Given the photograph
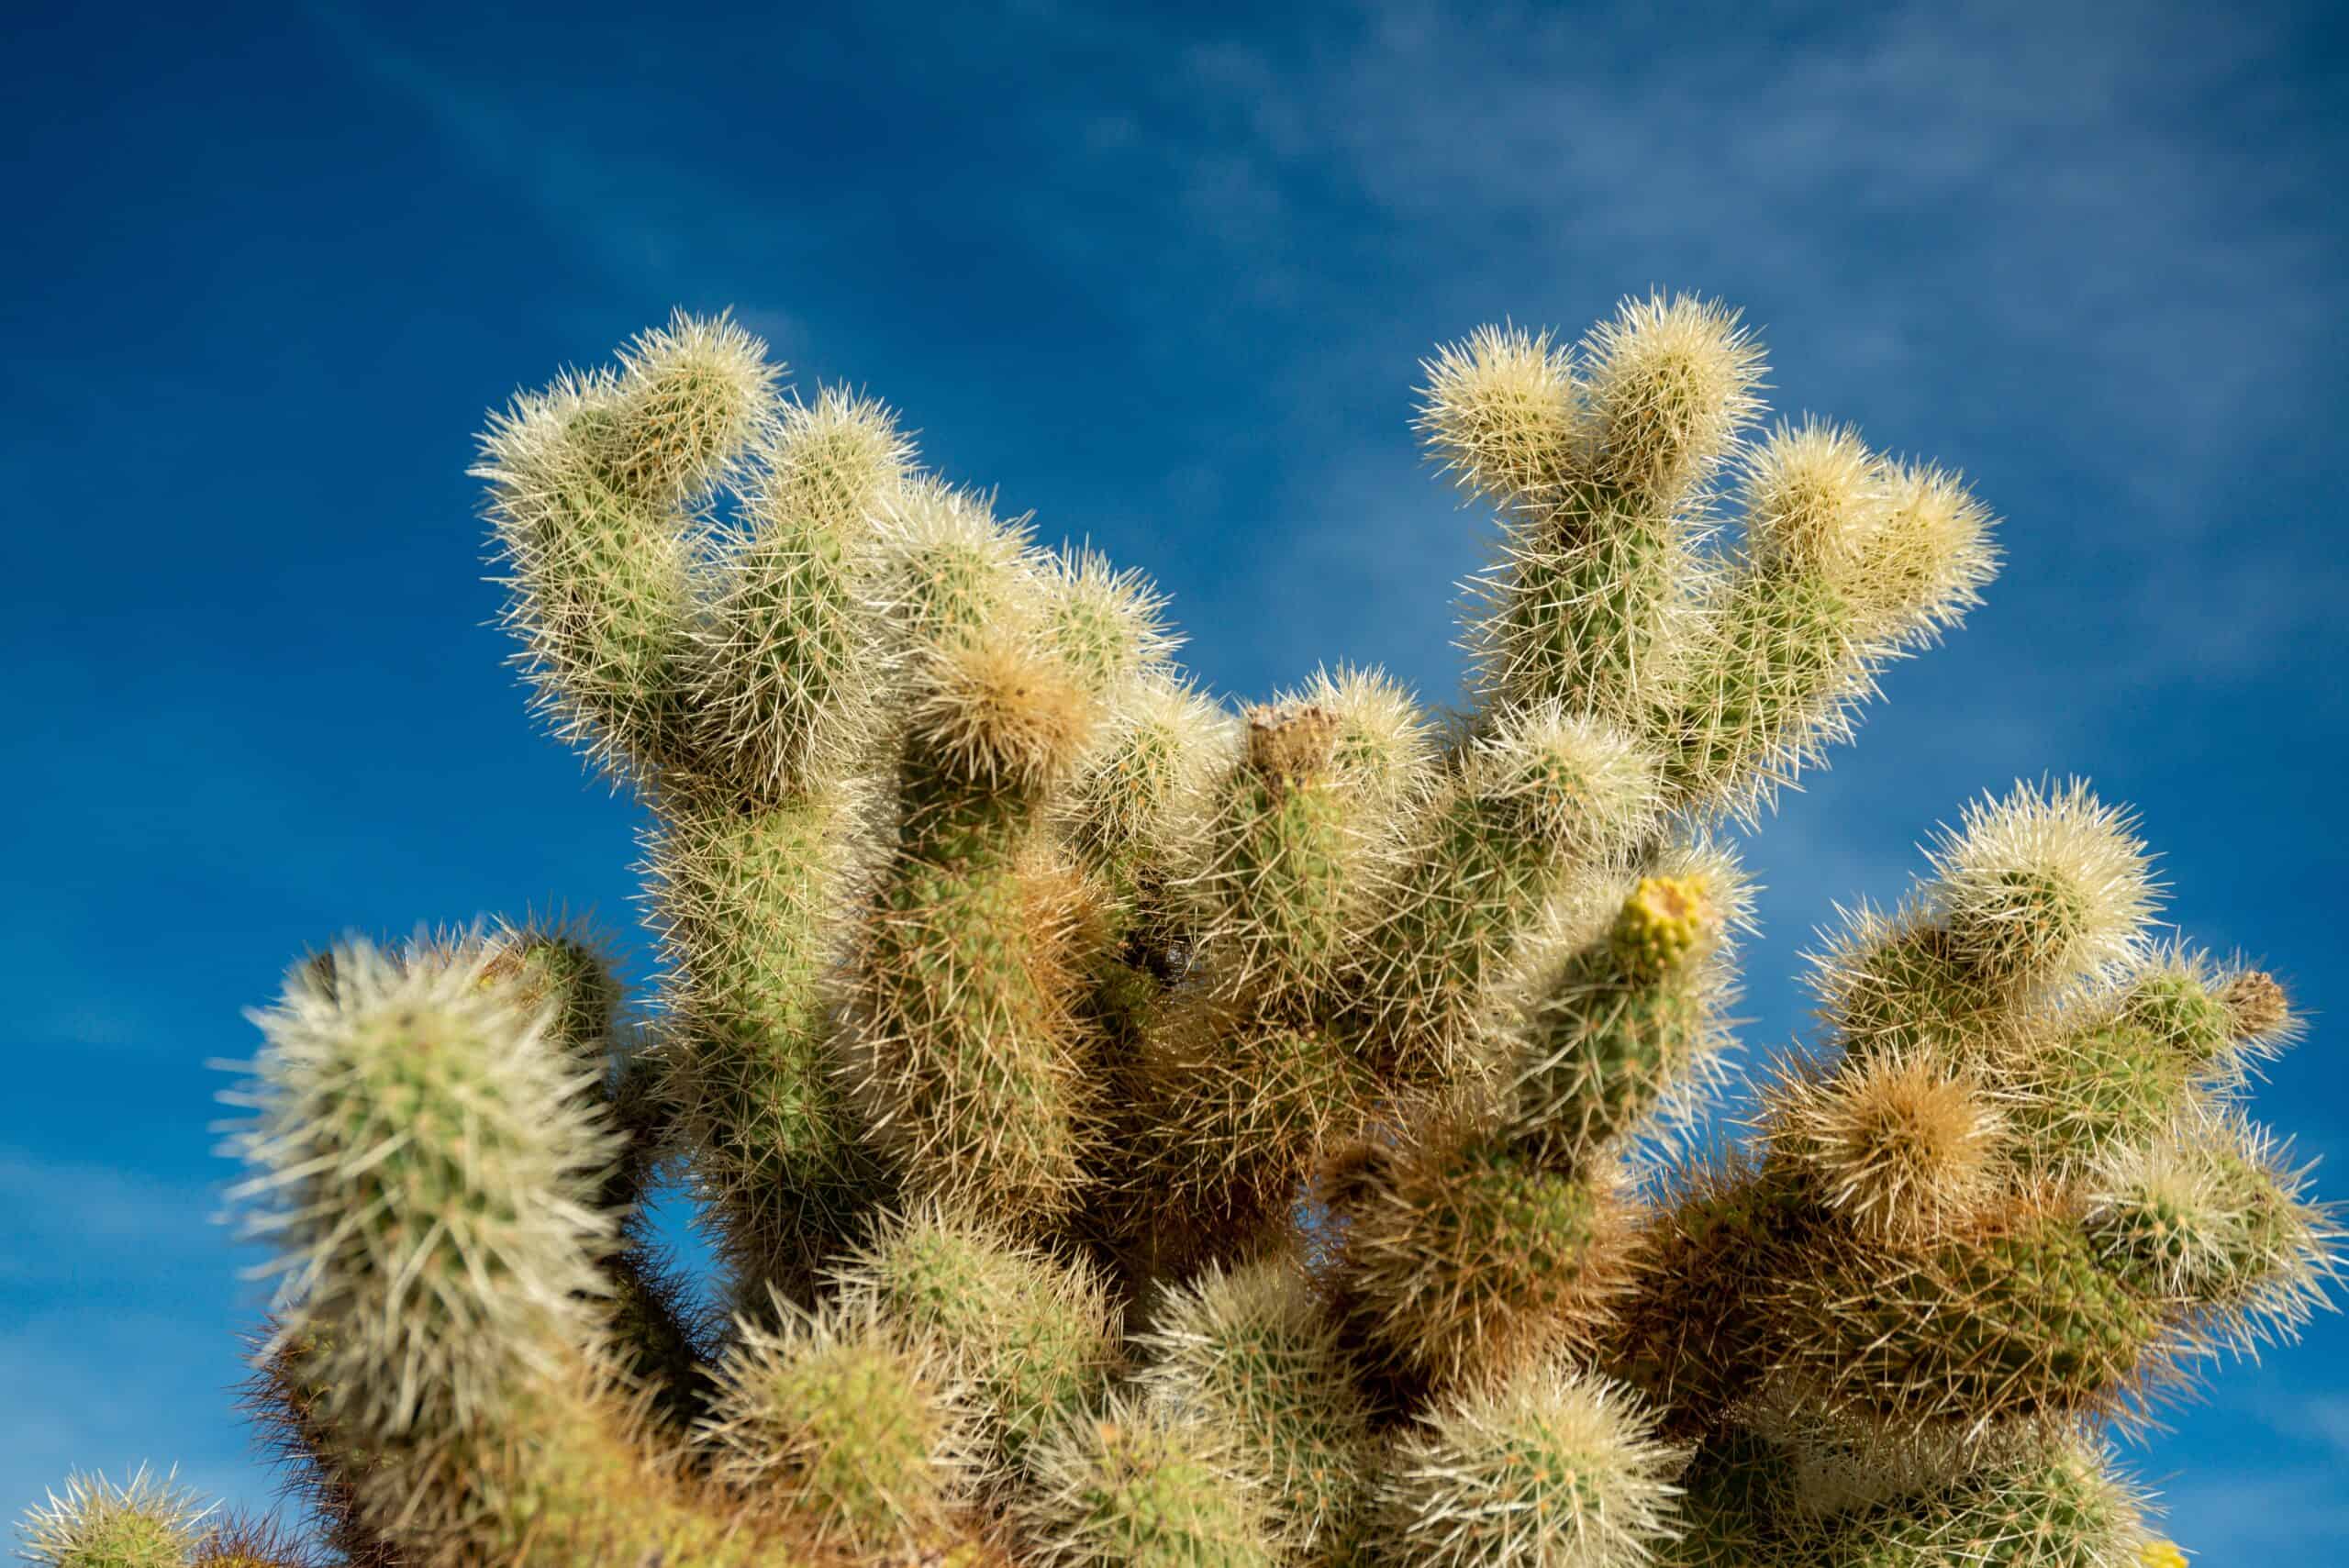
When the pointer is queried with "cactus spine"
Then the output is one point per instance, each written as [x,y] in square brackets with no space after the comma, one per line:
[1136,1132]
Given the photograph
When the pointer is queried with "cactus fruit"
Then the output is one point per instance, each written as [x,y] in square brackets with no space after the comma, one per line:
[1139,1132]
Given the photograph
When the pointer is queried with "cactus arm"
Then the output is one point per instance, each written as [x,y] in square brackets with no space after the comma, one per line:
[1848,561]
[591,482]
[790,665]
[1539,799]
[963,1022]
[1599,459]
[745,902]
[1624,1020]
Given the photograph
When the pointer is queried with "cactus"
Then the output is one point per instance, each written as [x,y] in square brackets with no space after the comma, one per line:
[1138,1132]
[143,1523]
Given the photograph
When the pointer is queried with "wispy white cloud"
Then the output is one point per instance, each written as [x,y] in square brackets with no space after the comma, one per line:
[1992,227]
[2265,1515]
[109,1390]
[636,213]
[107,1359]
[1920,199]
[84,1237]
[2326,1418]
[2024,148]
[71,1214]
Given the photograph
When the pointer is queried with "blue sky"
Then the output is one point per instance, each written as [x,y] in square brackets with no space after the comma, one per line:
[1163,276]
